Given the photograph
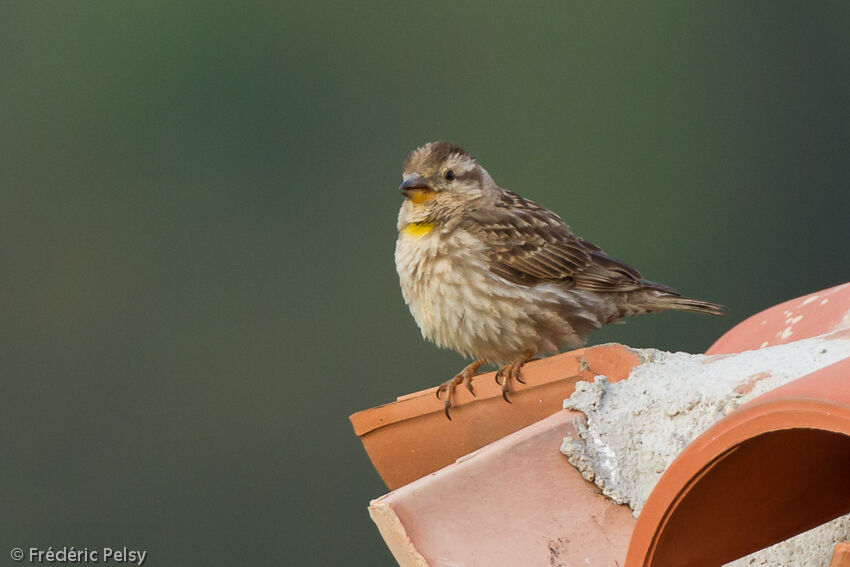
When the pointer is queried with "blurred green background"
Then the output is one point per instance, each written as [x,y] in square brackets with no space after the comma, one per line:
[198,222]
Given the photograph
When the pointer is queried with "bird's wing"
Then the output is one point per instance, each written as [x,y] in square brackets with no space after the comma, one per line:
[528,244]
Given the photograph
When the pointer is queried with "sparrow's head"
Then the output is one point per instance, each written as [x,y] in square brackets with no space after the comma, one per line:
[440,177]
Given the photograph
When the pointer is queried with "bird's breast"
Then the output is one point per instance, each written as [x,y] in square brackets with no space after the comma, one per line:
[447,285]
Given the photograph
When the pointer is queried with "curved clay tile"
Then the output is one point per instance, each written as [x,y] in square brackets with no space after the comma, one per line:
[774,468]
[801,318]
[411,437]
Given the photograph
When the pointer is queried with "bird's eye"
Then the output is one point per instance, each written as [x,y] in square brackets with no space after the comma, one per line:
[449,175]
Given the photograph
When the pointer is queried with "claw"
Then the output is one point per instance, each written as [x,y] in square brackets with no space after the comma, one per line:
[440,388]
[502,376]
[448,387]
[516,373]
[511,371]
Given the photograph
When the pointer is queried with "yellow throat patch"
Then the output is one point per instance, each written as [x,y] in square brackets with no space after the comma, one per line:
[417,229]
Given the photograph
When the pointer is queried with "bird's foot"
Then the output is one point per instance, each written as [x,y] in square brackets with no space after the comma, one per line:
[448,388]
[512,371]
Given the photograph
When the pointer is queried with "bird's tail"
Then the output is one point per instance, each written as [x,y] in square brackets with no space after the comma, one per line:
[695,305]
[671,301]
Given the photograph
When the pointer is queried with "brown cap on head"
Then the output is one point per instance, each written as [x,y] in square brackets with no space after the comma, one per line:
[432,155]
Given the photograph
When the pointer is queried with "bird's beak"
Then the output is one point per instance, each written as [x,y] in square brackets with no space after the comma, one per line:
[416,189]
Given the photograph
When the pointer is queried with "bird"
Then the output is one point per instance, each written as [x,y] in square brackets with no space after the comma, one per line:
[501,279]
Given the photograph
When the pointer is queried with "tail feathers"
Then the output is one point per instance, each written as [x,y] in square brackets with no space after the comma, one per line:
[671,302]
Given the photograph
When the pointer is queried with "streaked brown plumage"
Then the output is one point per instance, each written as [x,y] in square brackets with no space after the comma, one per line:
[500,278]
